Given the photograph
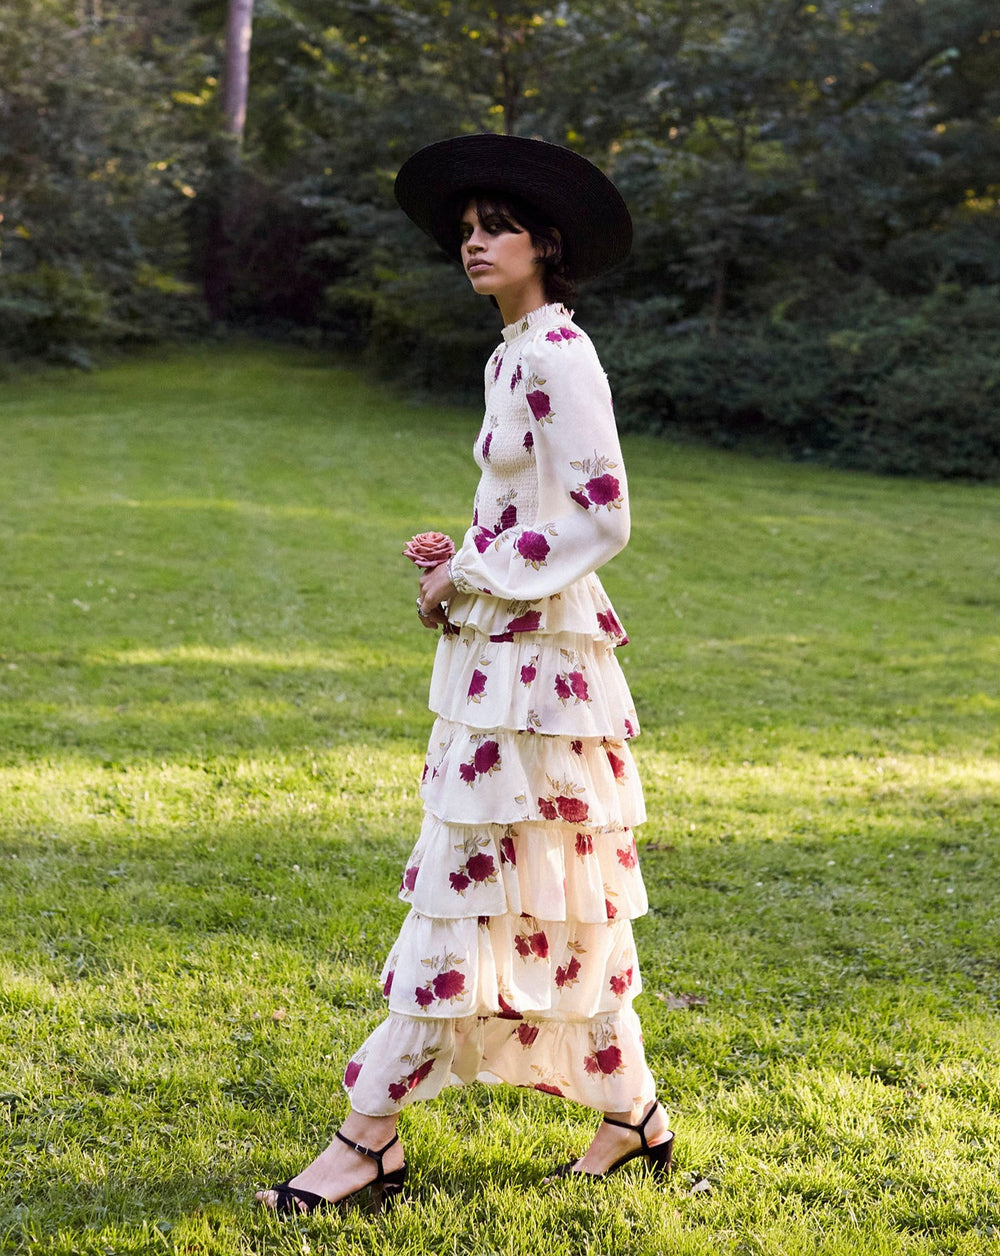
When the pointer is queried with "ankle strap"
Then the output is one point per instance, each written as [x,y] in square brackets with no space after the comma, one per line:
[639,1129]
[362,1150]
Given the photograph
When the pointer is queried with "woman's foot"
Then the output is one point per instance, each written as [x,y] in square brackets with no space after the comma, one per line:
[339,1170]
[619,1138]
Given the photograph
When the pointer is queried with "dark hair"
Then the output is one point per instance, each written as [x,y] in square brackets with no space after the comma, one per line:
[516,215]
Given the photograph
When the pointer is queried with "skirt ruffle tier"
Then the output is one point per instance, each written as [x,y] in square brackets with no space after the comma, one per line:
[516,962]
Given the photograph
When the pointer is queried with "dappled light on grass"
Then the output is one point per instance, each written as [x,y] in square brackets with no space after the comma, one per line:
[208,790]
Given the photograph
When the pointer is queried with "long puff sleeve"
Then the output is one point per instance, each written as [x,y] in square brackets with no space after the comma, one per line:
[581,519]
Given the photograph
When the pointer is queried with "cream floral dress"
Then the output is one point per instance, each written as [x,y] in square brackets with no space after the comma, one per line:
[516,962]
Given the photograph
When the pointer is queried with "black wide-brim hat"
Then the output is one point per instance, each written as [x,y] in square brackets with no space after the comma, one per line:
[567,189]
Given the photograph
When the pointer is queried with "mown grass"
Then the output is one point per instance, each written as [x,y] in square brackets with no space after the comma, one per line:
[212,689]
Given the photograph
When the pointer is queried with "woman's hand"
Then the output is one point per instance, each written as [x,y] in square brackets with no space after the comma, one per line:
[435,587]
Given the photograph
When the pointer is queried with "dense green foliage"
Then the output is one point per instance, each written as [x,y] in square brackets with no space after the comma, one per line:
[212,721]
[816,189]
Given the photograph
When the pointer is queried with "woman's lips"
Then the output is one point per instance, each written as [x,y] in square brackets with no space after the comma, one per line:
[476,266]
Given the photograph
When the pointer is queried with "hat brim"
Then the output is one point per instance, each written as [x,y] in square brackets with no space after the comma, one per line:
[570,191]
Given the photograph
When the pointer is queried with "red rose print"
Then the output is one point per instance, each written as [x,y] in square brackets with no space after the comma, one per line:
[486,446]
[529,440]
[507,852]
[528,674]
[481,867]
[508,518]
[547,809]
[610,909]
[526,1034]
[629,728]
[483,539]
[501,636]
[506,1011]
[548,1090]
[351,1073]
[539,944]
[607,621]
[487,757]
[532,547]
[397,1091]
[626,857]
[576,747]
[573,810]
[410,877]
[568,975]
[477,686]
[621,983]
[459,882]
[563,691]
[617,766]
[496,373]
[584,844]
[424,996]
[580,500]
[423,774]
[540,405]
[387,986]
[515,379]
[526,623]
[449,985]
[609,1060]
[467,772]
[521,946]
[603,490]
[418,1074]
[579,686]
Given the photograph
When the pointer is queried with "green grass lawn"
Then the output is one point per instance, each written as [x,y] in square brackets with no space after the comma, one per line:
[212,721]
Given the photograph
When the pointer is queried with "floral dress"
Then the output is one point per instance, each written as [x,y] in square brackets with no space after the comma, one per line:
[516,962]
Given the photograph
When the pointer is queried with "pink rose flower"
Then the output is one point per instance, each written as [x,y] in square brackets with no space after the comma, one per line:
[540,405]
[566,976]
[584,844]
[563,691]
[539,944]
[626,857]
[487,757]
[508,518]
[429,549]
[547,809]
[579,686]
[529,440]
[387,987]
[486,446]
[609,1060]
[397,1091]
[526,623]
[423,996]
[576,746]
[351,1073]
[607,621]
[618,986]
[617,766]
[477,686]
[528,674]
[526,1034]
[532,547]
[611,911]
[467,772]
[580,500]
[459,882]
[603,490]
[410,877]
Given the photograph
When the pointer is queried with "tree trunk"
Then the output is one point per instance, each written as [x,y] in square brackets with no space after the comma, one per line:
[236,72]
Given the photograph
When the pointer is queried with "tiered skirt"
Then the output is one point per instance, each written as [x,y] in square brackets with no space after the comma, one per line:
[516,962]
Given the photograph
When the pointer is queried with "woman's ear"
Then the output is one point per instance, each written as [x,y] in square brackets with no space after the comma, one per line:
[549,249]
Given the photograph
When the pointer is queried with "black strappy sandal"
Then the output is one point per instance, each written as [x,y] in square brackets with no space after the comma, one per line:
[659,1156]
[384,1190]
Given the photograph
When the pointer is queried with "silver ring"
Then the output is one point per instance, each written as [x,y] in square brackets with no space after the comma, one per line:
[420,609]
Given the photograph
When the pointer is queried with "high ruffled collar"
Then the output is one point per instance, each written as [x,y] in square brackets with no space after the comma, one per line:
[541,315]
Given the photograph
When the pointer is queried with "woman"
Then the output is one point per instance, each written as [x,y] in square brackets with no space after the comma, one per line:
[516,962]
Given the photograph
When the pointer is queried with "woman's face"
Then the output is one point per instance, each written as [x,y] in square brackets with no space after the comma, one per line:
[502,263]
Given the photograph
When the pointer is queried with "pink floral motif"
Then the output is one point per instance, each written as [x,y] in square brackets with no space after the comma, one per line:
[576,746]
[607,621]
[429,549]
[621,982]
[486,446]
[410,877]
[540,405]
[459,882]
[603,490]
[533,548]
[397,1091]
[580,500]
[548,809]
[536,944]
[607,1061]
[529,440]
[568,976]
[563,691]
[516,377]
[449,985]
[485,760]
[610,909]
[617,765]
[351,1073]
[507,852]
[584,844]
[528,673]
[507,519]
[387,984]
[579,687]
[483,539]
[629,728]
[526,1034]
[548,1089]
[424,996]
[526,623]
[626,856]
[506,1011]
[477,686]
[573,810]
[561,333]
[496,373]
